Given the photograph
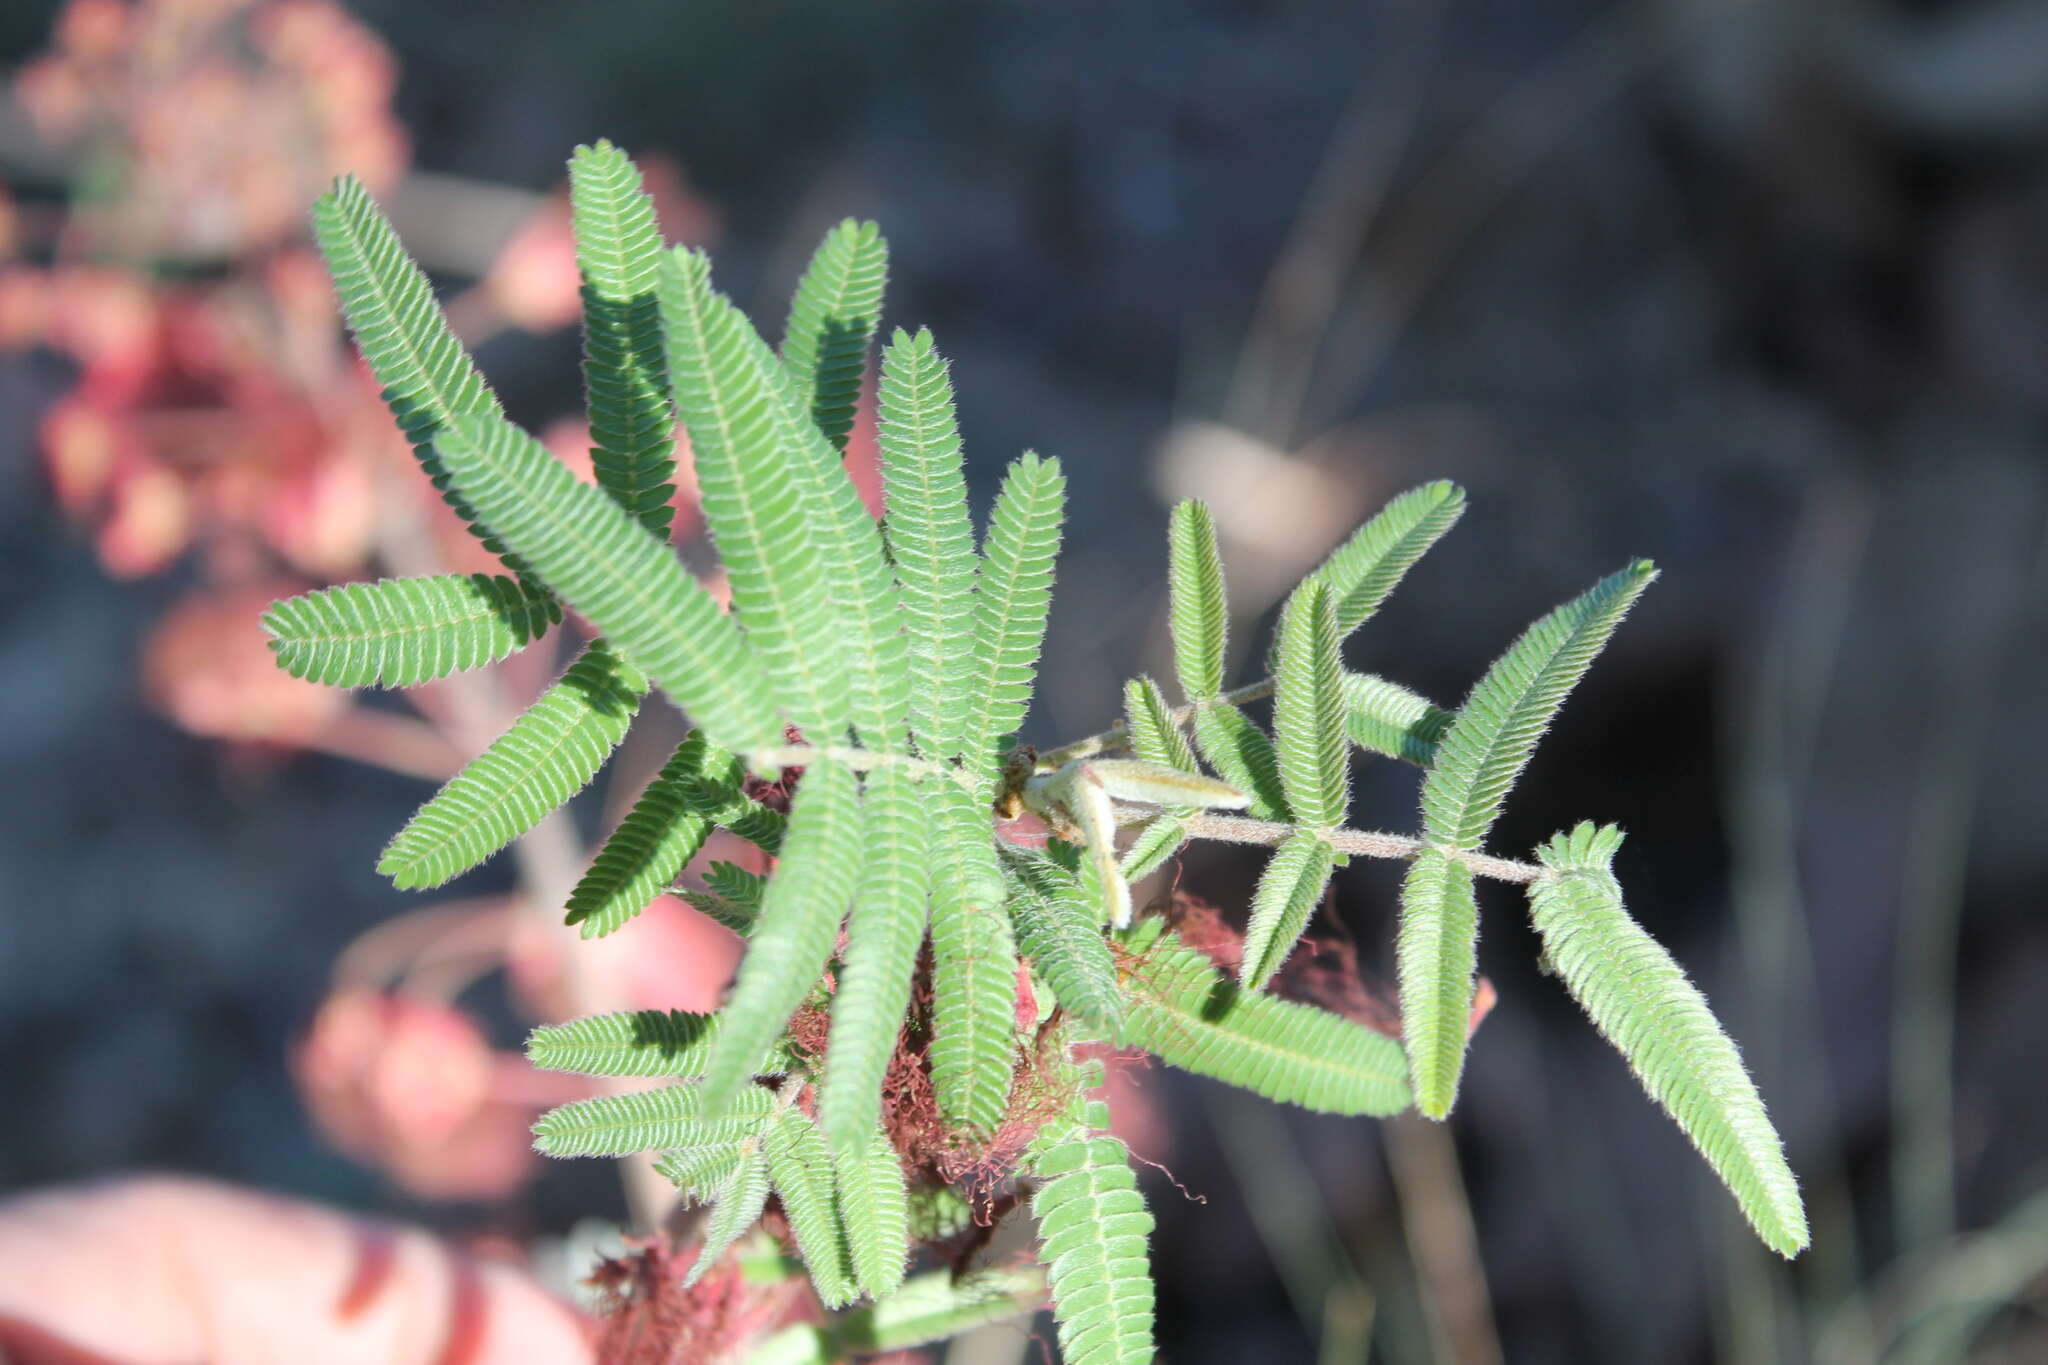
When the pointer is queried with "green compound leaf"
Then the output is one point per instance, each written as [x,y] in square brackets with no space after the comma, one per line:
[1437,949]
[1058,932]
[931,539]
[1308,711]
[1199,612]
[875,1205]
[1366,568]
[652,844]
[428,379]
[548,755]
[1485,748]
[799,922]
[736,1207]
[625,376]
[734,898]
[882,942]
[1642,1002]
[1243,754]
[636,1043]
[1289,891]
[648,1120]
[974,969]
[1386,718]
[398,632]
[832,322]
[1092,1227]
[753,496]
[1184,1011]
[1012,595]
[801,1170]
[614,571]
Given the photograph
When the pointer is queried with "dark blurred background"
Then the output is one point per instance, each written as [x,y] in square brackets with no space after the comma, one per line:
[1757,290]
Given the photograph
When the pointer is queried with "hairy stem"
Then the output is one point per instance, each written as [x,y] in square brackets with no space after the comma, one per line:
[1236,829]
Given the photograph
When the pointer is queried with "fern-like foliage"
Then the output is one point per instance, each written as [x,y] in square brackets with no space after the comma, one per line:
[1641,1000]
[1308,711]
[1092,1228]
[1184,1011]
[649,1120]
[548,755]
[801,1168]
[636,1043]
[1243,753]
[399,632]
[1438,953]
[658,837]
[874,1206]
[736,1204]
[1289,891]
[1200,612]
[1013,594]
[1366,568]
[832,322]
[1386,718]
[974,971]
[625,375]
[1061,937]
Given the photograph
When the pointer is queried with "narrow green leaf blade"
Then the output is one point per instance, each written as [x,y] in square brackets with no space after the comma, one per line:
[1386,718]
[398,632]
[1155,735]
[1012,596]
[875,1205]
[801,1169]
[648,1120]
[1642,1002]
[1485,748]
[548,755]
[974,970]
[637,1043]
[652,844]
[1243,753]
[1437,950]
[736,1208]
[1365,569]
[1199,612]
[625,374]
[832,322]
[585,547]
[1289,891]
[1308,710]
[1161,838]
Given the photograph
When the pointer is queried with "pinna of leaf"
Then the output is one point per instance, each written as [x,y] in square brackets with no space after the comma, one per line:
[903,654]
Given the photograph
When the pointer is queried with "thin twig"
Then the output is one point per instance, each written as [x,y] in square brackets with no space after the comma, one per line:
[1237,829]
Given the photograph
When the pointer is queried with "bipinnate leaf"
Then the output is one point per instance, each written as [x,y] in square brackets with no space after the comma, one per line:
[882,941]
[1013,592]
[875,1205]
[832,321]
[974,968]
[548,755]
[1289,891]
[636,1043]
[398,632]
[800,1168]
[1437,949]
[1484,749]
[1308,711]
[1243,755]
[1362,571]
[1199,614]
[799,922]
[652,844]
[1642,1002]
[1386,718]
[427,378]
[752,491]
[1180,1008]
[930,537]
[625,376]
[1058,931]
[617,573]
[736,1207]
[649,1120]
[1092,1229]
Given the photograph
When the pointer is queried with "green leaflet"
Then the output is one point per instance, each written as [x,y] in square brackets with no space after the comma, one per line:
[428,379]
[1092,1227]
[1485,748]
[1199,613]
[1289,891]
[585,547]
[625,376]
[1243,754]
[648,1120]
[652,844]
[882,943]
[930,536]
[398,632]
[1438,954]
[875,1206]
[1642,1002]
[1058,931]
[699,1172]
[974,969]
[737,1207]
[734,897]
[801,1170]
[1160,839]
[753,496]
[1387,718]
[636,1043]
[1363,570]
[1157,738]
[1012,595]
[546,757]
[1182,1009]
[799,922]
[832,321]
[1308,711]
